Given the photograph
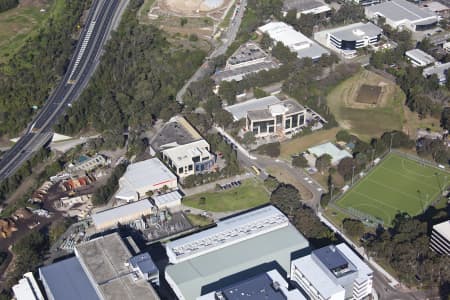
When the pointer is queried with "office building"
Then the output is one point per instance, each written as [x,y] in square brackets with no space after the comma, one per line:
[269,285]
[366,2]
[270,116]
[402,14]
[150,175]
[440,238]
[87,164]
[103,268]
[419,58]
[123,214]
[440,70]
[306,7]
[330,149]
[297,42]
[333,272]
[248,59]
[347,39]
[183,148]
[27,288]
[238,248]
[169,200]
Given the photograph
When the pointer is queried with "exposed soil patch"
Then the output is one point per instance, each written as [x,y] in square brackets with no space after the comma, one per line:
[368,94]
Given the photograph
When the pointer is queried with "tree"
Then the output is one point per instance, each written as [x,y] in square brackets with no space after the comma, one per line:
[445,117]
[57,229]
[300,161]
[343,135]
[345,167]
[323,162]
[259,93]
[249,138]
[271,183]
[355,228]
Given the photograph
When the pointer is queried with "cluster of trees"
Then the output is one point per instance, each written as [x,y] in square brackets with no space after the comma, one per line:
[270,149]
[135,83]
[229,155]
[27,79]
[8,186]
[8,4]
[102,194]
[287,199]
[405,247]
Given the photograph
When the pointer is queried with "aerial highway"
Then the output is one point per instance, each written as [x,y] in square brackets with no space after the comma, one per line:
[99,23]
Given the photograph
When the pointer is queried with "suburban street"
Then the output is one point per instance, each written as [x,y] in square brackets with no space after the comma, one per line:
[102,16]
[228,38]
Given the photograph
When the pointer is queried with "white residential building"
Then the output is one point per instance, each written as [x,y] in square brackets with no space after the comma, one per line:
[333,273]
[297,42]
[440,238]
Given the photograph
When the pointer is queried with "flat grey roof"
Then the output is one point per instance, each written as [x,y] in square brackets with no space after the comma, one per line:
[420,55]
[331,258]
[239,110]
[239,73]
[357,31]
[105,258]
[144,262]
[246,53]
[131,209]
[398,10]
[150,172]
[67,280]
[439,69]
[211,271]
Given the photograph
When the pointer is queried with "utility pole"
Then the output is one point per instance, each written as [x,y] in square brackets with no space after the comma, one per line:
[373,153]
[353,173]
[392,136]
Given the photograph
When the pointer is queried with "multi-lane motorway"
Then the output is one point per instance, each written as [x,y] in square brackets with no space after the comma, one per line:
[101,18]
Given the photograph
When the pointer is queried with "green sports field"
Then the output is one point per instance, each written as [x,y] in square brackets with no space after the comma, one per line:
[397,184]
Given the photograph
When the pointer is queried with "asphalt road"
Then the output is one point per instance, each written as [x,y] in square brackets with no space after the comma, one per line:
[228,38]
[85,59]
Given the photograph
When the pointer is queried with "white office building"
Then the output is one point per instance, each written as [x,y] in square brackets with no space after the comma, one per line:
[333,273]
[440,238]
[346,40]
[419,58]
[402,14]
[297,42]
[305,7]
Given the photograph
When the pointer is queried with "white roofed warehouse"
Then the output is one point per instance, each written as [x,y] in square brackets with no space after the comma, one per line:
[402,14]
[150,175]
[297,42]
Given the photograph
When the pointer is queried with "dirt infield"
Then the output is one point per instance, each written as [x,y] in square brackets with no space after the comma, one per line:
[368,94]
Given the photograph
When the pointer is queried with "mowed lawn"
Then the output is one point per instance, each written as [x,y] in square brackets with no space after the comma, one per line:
[250,194]
[397,184]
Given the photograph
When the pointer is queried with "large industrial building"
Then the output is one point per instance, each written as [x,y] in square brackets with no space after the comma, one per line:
[347,39]
[183,148]
[419,58]
[440,238]
[306,7]
[297,42]
[238,248]
[333,272]
[269,285]
[270,116]
[27,288]
[150,175]
[248,59]
[103,268]
[123,214]
[402,14]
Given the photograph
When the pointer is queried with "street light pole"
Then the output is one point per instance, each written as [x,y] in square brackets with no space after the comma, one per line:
[353,173]
[392,136]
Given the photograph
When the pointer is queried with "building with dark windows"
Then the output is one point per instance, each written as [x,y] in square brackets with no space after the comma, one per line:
[438,69]
[402,14]
[440,238]
[333,272]
[306,7]
[419,58]
[348,39]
